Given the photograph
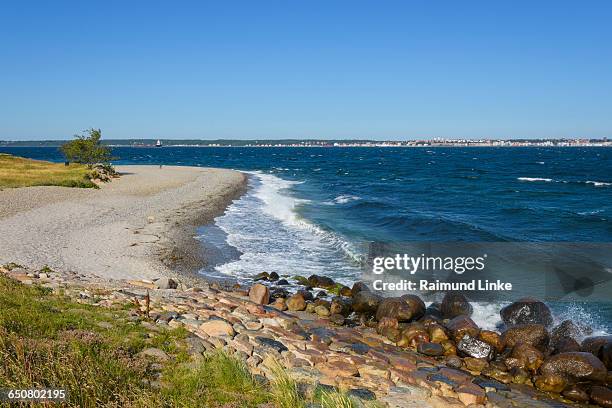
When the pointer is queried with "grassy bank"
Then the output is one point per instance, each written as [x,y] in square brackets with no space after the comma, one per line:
[99,355]
[21,172]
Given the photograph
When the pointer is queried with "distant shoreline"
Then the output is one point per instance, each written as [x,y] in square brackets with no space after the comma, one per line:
[337,143]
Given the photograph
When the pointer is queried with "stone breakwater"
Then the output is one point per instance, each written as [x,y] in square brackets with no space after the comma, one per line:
[393,350]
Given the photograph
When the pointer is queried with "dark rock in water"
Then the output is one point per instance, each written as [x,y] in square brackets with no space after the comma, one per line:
[601,347]
[579,366]
[473,347]
[430,349]
[602,396]
[561,336]
[532,334]
[404,309]
[527,311]
[575,393]
[336,319]
[321,294]
[273,277]
[271,343]
[565,345]
[346,291]
[434,310]
[282,282]
[366,302]
[462,325]
[526,357]
[413,334]
[307,295]
[318,281]
[455,304]
[261,276]
[358,287]
[276,293]
[301,280]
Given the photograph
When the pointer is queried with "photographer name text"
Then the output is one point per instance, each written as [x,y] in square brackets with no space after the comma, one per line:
[423,284]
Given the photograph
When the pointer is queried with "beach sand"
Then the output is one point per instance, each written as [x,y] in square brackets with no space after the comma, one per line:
[140,226]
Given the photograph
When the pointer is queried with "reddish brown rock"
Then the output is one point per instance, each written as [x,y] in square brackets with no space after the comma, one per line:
[437,333]
[404,309]
[492,338]
[455,304]
[602,396]
[279,304]
[601,347]
[259,294]
[575,393]
[469,394]
[413,334]
[532,334]
[462,325]
[525,356]
[526,311]
[551,383]
[578,366]
[296,302]
[366,302]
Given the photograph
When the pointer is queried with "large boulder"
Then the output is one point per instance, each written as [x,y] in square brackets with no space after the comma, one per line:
[601,347]
[473,347]
[404,309]
[413,334]
[259,294]
[358,287]
[526,357]
[575,367]
[296,302]
[565,336]
[318,281]
[532,334]
[366,302]
[526,311]
[462,325]
[455,304]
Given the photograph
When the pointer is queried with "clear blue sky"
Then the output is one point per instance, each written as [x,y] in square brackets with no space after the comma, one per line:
[320,69]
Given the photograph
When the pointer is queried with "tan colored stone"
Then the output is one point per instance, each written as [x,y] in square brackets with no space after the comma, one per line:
[217,328]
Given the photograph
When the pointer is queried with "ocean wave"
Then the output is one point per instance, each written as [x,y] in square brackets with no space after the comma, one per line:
[598,183]
[535,179]
[265,226]
[549,180]
[342,199]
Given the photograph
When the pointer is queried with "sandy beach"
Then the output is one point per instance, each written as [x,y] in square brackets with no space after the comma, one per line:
[140,226]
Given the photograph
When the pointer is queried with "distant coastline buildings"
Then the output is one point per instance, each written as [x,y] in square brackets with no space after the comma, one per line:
[436,142]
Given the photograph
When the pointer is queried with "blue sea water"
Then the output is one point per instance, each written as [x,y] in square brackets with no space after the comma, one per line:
[314,210]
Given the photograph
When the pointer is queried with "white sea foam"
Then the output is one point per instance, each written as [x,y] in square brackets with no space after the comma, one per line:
[266,228]
[342,199]
[533,179]
[598,183]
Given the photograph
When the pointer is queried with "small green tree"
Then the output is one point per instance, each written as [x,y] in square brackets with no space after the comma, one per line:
[87,149]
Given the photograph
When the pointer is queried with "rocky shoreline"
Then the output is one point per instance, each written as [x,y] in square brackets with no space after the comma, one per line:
[392,350]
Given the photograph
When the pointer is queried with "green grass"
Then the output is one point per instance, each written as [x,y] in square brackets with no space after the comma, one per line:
[48,340]
[21,172]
